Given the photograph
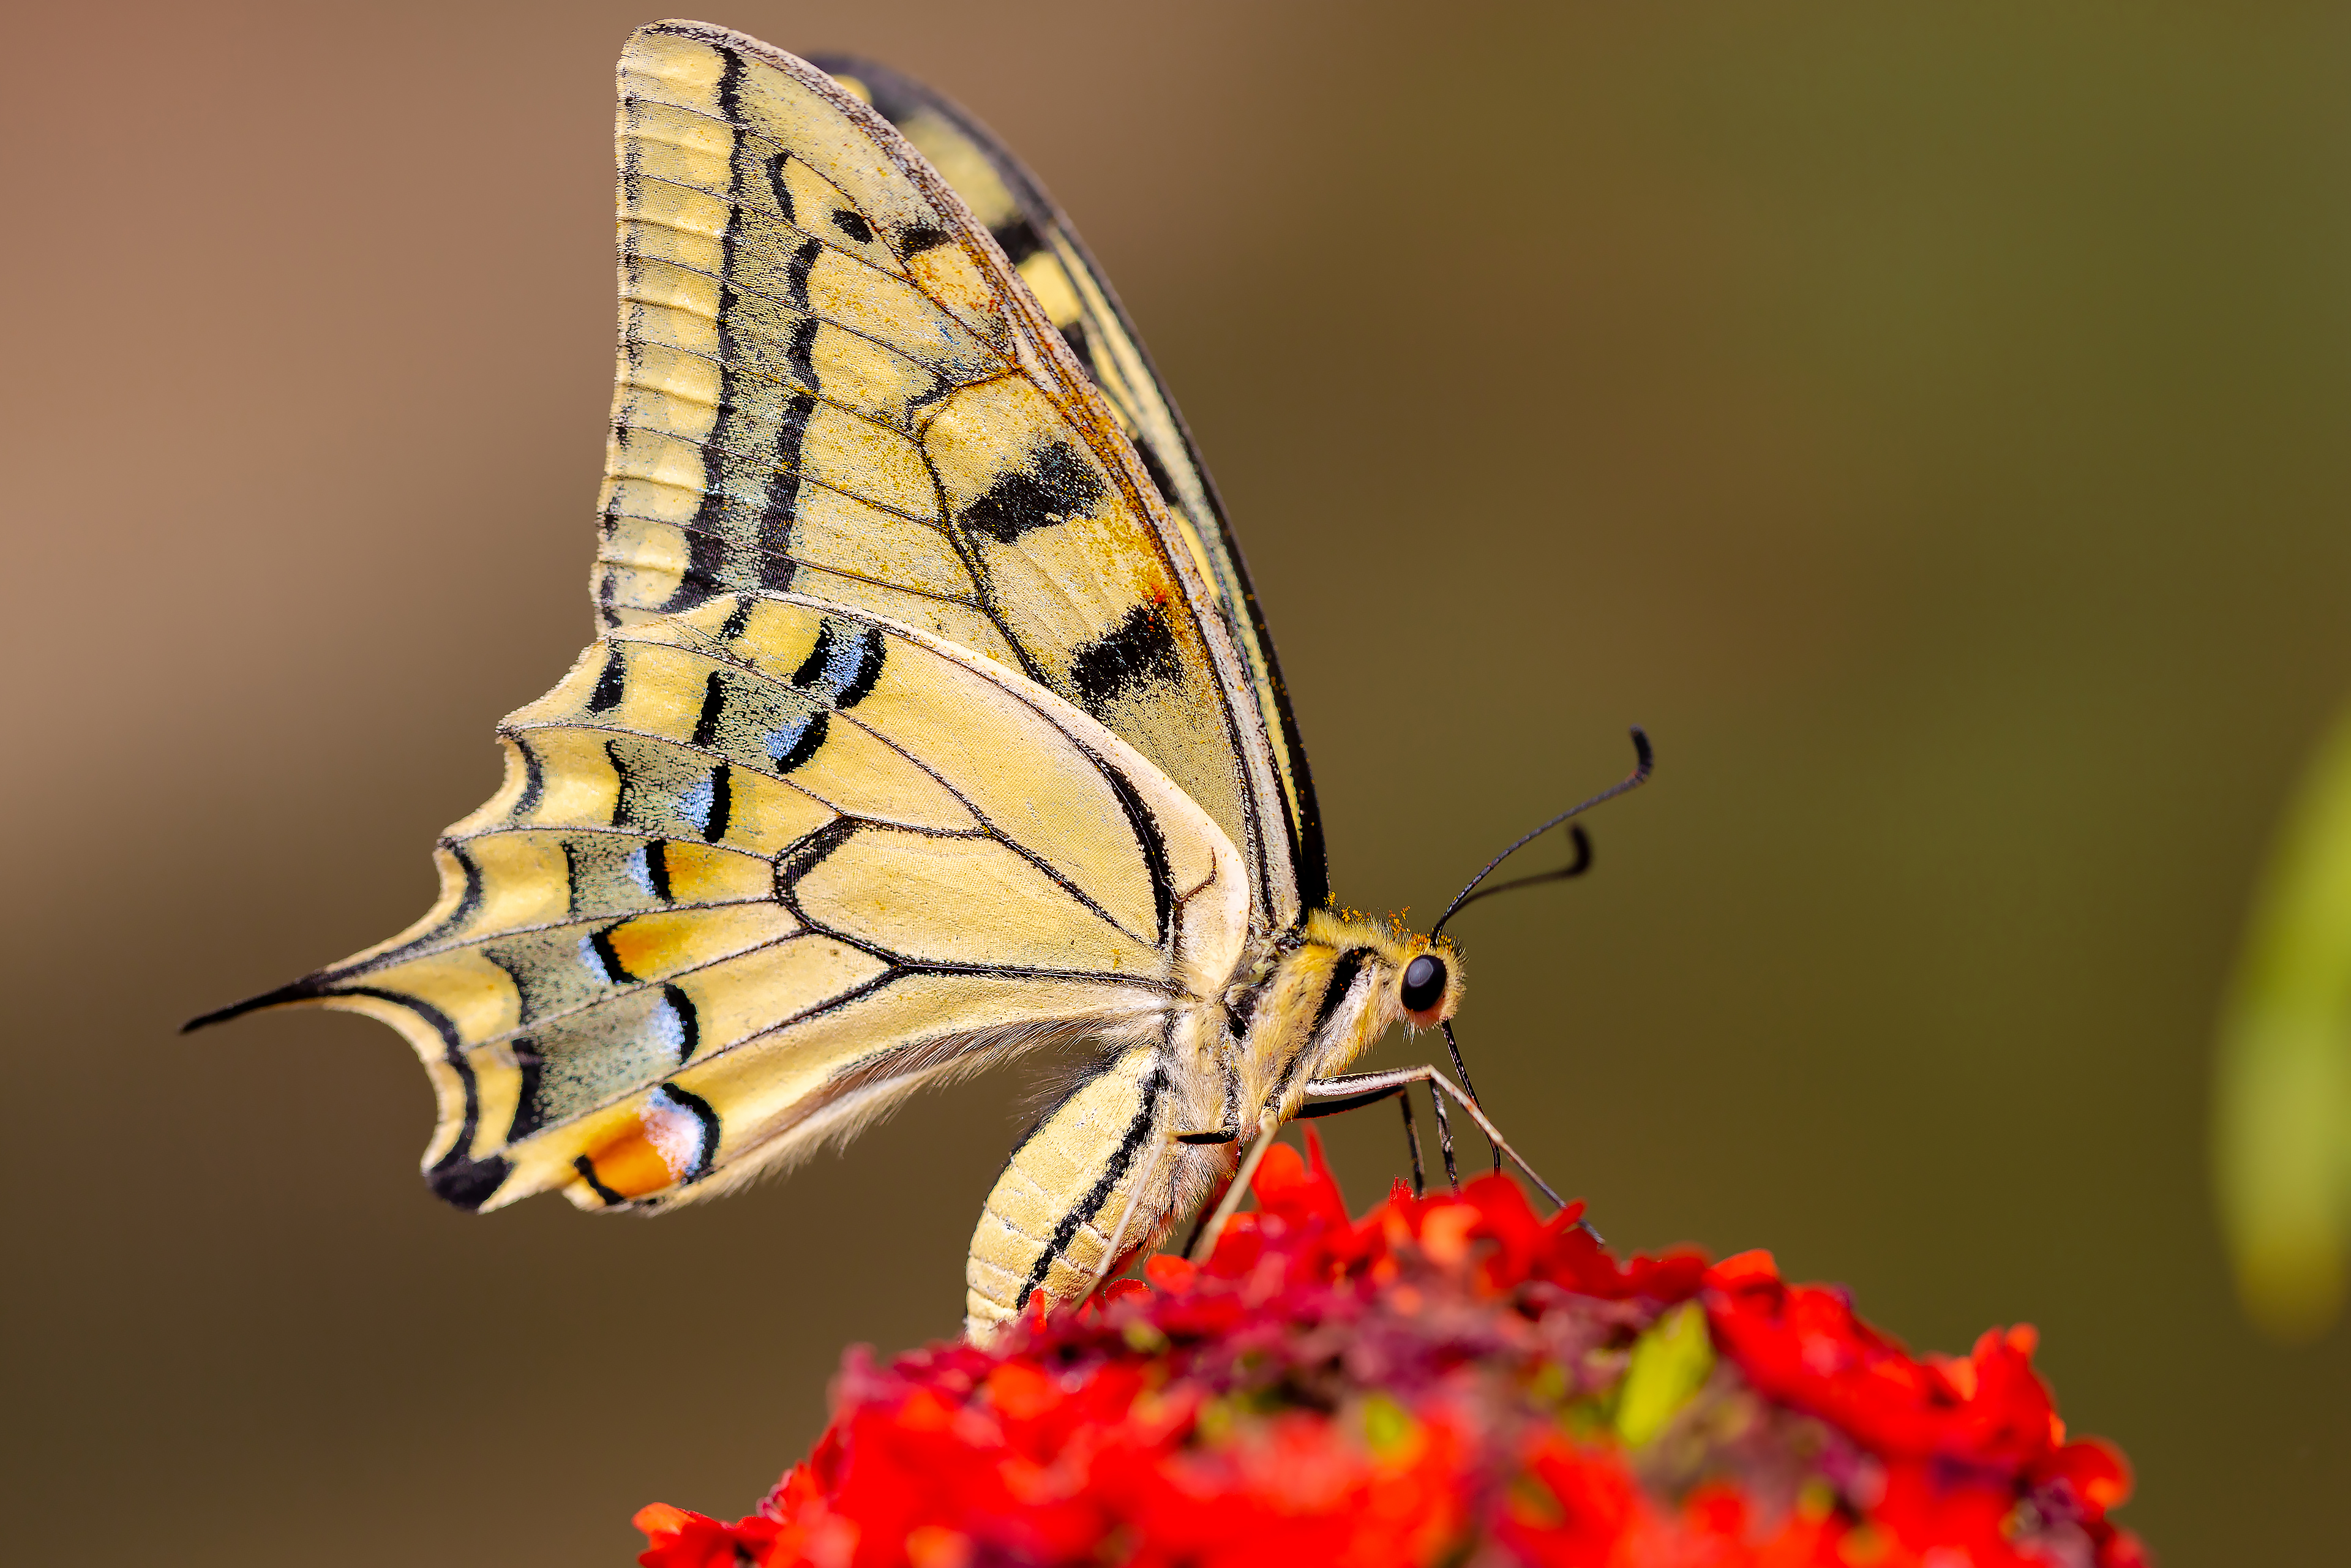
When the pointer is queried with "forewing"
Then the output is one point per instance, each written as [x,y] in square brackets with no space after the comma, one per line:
[760,866]
[832,381]
[1038,238]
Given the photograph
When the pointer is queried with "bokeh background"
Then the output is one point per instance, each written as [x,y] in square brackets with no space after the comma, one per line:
[1929,421]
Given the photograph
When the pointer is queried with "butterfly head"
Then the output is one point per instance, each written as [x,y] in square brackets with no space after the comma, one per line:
[1428,987]
[1412,979]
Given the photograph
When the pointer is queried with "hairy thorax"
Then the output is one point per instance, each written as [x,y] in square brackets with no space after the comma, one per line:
[1321,997]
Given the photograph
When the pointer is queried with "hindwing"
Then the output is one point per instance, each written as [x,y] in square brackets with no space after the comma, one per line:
[760,866]
[834,381]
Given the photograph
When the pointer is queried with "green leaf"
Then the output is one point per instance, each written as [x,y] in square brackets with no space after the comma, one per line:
[2281,1111]
[1670,1363]
[1388,1426]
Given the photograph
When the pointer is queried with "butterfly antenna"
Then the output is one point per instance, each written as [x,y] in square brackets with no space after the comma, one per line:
[1576,867]
[1645,761]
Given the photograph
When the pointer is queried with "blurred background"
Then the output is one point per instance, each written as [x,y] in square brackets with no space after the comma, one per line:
[1930,423]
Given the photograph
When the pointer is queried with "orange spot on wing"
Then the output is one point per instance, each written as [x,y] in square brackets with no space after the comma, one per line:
[696,872]
[632,1166]
[653,944]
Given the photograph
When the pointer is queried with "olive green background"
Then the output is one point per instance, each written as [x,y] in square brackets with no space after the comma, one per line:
[1931,422]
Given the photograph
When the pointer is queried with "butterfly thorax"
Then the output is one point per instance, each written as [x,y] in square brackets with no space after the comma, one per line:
[1320,995]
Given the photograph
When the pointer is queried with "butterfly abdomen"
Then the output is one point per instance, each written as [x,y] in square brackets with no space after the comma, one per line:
[1051,1217]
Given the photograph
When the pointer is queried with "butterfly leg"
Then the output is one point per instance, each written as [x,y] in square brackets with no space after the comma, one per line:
[1412,1142]
[1373,1096]
[1205,1242]
[1461,1067]
[1357,1084]
[1411,1130]
[1445,1141]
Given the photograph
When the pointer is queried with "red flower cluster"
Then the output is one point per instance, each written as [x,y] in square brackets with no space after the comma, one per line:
[1449,1380]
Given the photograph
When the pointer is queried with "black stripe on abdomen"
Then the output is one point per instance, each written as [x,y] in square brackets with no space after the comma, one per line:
[1137,1131]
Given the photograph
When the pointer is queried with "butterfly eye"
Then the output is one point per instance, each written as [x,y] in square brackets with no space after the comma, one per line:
[1424,984]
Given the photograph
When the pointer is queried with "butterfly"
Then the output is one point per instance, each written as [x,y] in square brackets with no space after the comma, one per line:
[931,721]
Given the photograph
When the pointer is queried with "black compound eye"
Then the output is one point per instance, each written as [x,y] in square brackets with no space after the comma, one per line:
[1424,984]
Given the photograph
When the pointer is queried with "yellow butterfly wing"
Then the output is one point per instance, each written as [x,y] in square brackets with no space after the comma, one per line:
[834,382]
[756,869]
[1044,248]
[920,731]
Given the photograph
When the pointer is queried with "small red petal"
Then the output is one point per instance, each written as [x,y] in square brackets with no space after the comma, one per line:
[1119,1290]
[2097,1471]
[1744,1269]
[1021,1390]
[662,1519]
[1171,1273]
[1280,1178]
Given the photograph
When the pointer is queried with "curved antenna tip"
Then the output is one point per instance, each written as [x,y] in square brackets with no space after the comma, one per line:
[1645,762]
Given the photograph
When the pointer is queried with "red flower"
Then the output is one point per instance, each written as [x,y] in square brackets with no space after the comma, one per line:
[684,1539]
[1802,1345]
[1449,1377]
